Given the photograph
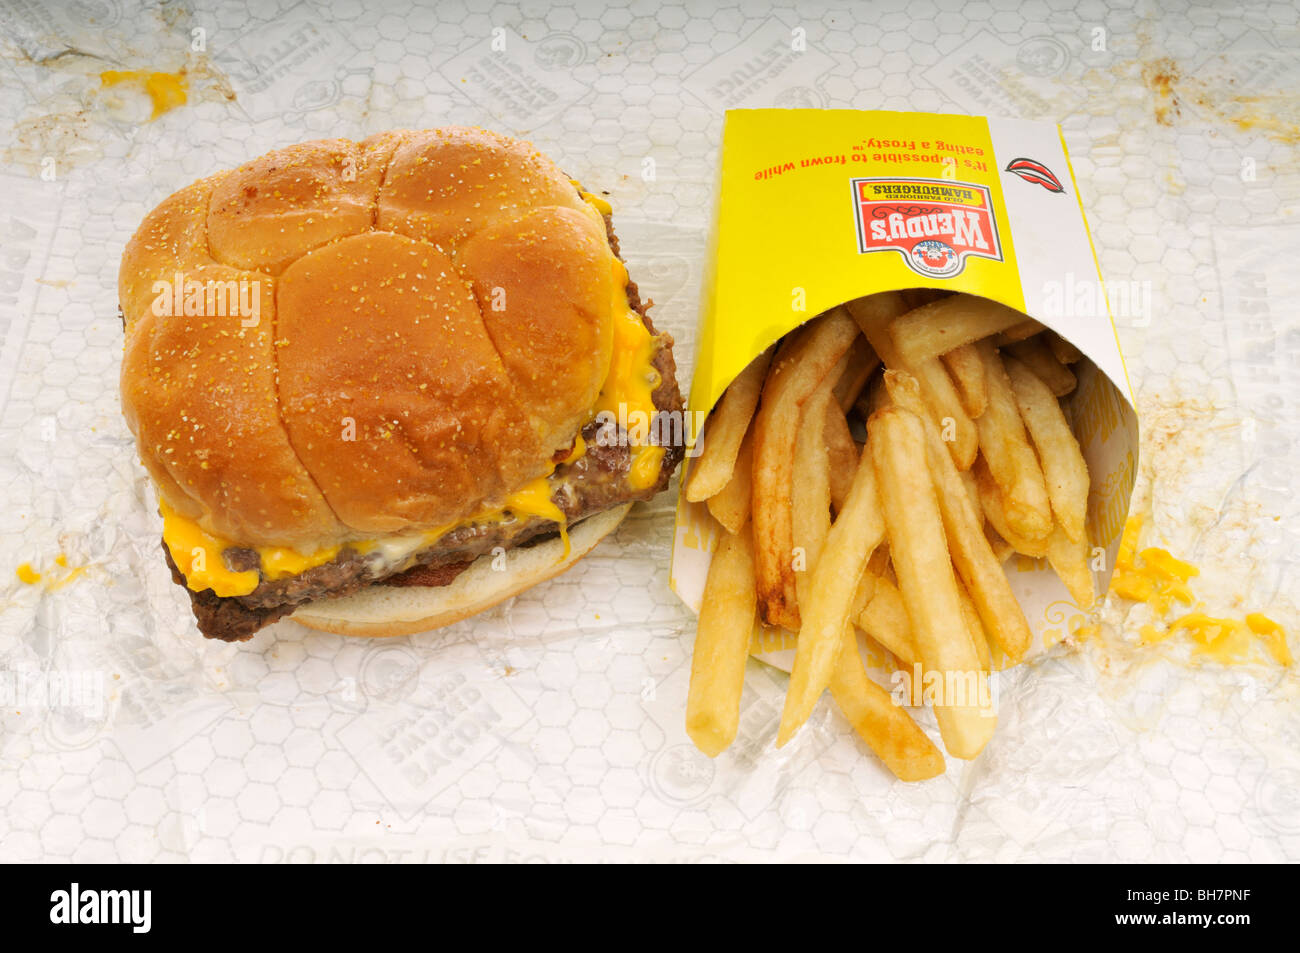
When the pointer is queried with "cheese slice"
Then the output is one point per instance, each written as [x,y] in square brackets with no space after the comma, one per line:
[534,499]
[629,388]
[198,556]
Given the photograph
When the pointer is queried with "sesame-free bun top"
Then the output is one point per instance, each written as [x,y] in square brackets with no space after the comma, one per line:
[434,322]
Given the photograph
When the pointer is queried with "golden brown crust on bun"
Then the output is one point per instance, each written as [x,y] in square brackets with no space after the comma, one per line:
[543,282]
[380,335]
[435,322]
[443,185]
[200,395]
[267,213]
[173,237]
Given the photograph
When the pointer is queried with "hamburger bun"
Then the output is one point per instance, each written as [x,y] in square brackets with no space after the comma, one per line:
[452,315]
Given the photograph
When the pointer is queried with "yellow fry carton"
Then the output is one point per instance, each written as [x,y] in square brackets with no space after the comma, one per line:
[819,207]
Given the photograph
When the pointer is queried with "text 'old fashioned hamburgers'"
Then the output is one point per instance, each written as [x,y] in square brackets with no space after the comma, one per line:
[382,385]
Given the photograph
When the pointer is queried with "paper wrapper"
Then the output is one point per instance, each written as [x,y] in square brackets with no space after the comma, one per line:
[818,207]
[550,728]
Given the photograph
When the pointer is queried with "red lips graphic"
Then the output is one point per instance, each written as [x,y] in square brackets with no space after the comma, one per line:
[1035,172]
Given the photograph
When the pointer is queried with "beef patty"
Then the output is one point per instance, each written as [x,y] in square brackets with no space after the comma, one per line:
[594,482]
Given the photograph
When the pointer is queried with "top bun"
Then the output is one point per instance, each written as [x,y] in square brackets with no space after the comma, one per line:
[428,320]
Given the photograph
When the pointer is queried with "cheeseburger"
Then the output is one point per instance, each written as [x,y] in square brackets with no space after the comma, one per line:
[382,385]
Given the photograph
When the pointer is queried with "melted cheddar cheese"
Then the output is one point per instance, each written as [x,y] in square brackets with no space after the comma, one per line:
[646,462]
[166,91]
[1272,635]
[534,499]
[199,556]
[632,378]
[596,202]
[628,392]
[579,448]
[1158,579]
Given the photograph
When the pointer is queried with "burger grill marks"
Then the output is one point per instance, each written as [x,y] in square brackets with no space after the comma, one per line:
[596,481]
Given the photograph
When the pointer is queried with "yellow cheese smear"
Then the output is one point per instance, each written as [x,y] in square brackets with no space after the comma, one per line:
[579,448]
[534,499]
[631,383]
[632,378]
[166,91]
[596,202]
[1156,578]
[54,581]
[198,555]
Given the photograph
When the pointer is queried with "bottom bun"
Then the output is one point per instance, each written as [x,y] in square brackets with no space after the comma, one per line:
[378,611]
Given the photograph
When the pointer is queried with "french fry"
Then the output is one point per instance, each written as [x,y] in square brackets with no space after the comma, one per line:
[1064,468]
[1065,352]
[917,297]
[1038,357]
[1018,332]
[853,537]
[967,372]
[810,493]
[1069,559]
[884,618]
[794,376]
[1002,550]
[896,440]
[1011,459]
[722,645]
[973,625]
[991,503]
[726,429]
[979,569]
[865,591]
[843,452]
[887,728]
[730,505]
[873,315]
[946,410]
[940,326]
[862,361]
[972,491]
[875,398]
[879,564]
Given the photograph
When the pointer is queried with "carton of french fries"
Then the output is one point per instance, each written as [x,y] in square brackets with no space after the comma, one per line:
[920,444]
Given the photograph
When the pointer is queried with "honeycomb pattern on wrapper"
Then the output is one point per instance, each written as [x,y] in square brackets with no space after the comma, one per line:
[552,726]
